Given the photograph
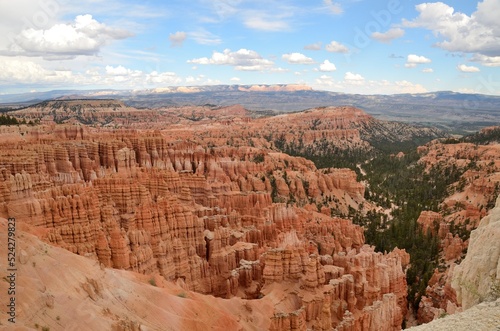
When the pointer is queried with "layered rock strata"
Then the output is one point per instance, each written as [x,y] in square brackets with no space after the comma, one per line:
[228,221]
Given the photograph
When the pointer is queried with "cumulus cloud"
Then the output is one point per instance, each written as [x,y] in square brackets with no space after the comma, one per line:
[428,70]
[85,36]
[389,35]
[488,61]
[131,77]
[336,47]
[325,81]
[243,59]
[201,80]
[313,47]
[327,66]
[121,71]
[297,58]
[26,72]
[162,78]
[13,70]
[177,39]
[355,83]
[354,79]
[477,33]
[404,86]
[464,68]
[413,60]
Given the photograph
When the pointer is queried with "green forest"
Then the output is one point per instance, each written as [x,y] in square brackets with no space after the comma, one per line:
[9,120]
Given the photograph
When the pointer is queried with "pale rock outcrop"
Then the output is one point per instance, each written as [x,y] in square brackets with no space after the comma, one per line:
[478,275]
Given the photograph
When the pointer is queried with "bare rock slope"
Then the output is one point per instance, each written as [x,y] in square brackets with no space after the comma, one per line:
[477,278]
[477,281]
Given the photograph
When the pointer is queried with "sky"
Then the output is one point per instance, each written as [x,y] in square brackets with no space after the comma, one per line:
[352,46]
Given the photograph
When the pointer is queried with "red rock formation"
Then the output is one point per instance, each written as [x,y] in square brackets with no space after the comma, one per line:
[429,221]
[232,220]
[364,288]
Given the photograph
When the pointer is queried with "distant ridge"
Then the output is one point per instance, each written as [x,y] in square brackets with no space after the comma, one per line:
[454,111]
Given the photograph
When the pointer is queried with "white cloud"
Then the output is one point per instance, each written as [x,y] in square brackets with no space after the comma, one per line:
[258,23]
[256,15]
[204,37]
[488,61]
[405,86]
[313,47]
[264,21]
[177,39]
[413,60]
[21,71]
[235,79]
[243,59]
[134,78]
[477,33]
[85,36]
[428,70]
[224,8]
[297,58]
[201,80]
[120,71]
[389,35]
[336,47]
[333,7]
[355,83]
[278,70]
[327,66]
[162,78]
[328,82]
[15,71]
[354,79]
[464,68]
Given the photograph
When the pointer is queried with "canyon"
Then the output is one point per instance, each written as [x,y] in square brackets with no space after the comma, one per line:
[182,217]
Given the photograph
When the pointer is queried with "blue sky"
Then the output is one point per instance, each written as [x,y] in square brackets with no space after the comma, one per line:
[354,46]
